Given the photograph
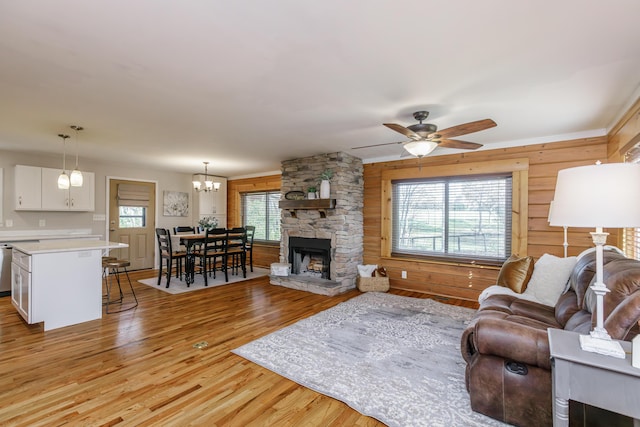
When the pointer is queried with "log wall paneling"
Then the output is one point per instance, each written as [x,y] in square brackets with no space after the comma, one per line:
[467,281]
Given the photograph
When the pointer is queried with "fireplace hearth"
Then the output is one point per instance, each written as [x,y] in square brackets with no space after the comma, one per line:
[324,246]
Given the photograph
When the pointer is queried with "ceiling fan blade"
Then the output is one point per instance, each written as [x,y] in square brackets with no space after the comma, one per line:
[379,145]
[465,128]
[403,130]
[453,143]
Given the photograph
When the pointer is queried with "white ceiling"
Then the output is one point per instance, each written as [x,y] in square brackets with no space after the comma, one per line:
[245,84]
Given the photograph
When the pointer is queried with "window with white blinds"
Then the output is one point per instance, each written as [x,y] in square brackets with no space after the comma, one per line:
[631,236]
[458,218]
[261,210]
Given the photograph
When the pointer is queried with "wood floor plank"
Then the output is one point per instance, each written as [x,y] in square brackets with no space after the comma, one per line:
[140,367]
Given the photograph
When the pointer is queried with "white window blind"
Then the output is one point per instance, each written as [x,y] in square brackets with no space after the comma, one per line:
[459,218]
[261,210]
[631,236]
[133,195]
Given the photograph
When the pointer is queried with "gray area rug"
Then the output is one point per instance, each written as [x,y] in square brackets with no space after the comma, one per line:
[177,286]
[393,358]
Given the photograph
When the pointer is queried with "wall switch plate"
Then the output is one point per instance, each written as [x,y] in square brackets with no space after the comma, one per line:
[42,223]
[404,274]
[8,223]
[99,217]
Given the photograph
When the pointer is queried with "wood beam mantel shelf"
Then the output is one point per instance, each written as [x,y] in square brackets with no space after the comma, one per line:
[308,204]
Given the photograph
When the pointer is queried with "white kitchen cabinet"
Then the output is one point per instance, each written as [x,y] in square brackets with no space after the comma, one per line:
[214,203]
[21,285]
[74,198]
[28,193]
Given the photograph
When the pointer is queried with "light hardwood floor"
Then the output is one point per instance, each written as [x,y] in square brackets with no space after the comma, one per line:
[140,367]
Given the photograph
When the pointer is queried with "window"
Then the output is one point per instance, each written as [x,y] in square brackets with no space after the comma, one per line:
[261,210]
[132,216]
[631,236]
[454,217]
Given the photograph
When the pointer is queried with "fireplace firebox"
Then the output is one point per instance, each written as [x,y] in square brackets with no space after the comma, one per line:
[310,257]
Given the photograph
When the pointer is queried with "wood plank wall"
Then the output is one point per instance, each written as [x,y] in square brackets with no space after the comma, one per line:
[467,281]
[446,279]
[263,255]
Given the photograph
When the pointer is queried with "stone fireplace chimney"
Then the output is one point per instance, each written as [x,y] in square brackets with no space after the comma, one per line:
[338,220]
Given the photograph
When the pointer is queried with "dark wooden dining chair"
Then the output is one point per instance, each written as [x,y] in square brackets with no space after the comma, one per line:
[167,255]
[251,230]
[211,253]
[184,229]
[235,252]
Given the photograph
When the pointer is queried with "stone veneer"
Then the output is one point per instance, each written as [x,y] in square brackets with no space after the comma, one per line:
[343,224]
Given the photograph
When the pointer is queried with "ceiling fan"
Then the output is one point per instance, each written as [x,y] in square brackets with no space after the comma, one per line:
[425,137]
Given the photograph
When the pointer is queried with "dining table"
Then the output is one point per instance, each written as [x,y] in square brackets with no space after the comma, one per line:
[192,241]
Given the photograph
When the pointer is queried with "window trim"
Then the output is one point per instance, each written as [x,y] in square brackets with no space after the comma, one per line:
[519,168]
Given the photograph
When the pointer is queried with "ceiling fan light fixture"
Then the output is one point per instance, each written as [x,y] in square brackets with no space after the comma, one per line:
[420,148]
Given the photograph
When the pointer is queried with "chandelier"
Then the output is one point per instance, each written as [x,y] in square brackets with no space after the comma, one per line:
[205,183]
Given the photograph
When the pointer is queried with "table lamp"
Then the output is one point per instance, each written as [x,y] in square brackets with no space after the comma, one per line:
[600,195]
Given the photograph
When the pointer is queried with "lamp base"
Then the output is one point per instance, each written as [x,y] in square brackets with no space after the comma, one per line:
[604,346]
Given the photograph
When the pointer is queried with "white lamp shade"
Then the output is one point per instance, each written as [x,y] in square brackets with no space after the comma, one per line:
[208,185]
[606,195]
[63,181]
[196,185]
[76,178]
[420,148]
[216,185]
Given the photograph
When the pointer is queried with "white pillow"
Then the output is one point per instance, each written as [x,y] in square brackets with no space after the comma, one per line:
[549,278]
[367,270]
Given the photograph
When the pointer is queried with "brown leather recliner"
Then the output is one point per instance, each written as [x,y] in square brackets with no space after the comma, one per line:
[508,372]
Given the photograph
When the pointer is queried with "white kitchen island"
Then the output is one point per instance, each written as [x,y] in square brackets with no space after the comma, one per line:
[58,282]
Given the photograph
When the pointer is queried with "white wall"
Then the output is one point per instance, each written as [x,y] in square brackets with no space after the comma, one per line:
[22,220]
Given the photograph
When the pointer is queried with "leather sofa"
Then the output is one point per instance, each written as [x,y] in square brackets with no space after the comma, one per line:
[505,346]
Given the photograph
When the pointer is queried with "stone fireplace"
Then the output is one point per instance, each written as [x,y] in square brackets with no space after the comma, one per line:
[322,239]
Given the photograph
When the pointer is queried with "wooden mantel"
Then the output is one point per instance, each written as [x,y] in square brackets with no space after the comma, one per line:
[308,204]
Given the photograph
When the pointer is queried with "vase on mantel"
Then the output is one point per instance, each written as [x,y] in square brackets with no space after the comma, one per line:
[325,189]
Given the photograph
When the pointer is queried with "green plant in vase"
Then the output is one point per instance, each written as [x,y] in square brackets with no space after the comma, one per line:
[311,193]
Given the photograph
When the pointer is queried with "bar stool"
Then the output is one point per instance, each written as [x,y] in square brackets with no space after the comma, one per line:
[112,266]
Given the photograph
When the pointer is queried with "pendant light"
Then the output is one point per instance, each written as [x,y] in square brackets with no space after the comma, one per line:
[209,185]
[63,179]
[76,179]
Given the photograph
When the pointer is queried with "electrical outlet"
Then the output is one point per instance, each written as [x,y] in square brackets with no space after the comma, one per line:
[42,223]
[8,223]
[404,274]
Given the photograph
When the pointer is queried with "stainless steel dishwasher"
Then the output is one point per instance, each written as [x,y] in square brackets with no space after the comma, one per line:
[5,269]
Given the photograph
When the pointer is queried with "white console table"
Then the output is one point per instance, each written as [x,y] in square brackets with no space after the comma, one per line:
[58,282]
[597,380]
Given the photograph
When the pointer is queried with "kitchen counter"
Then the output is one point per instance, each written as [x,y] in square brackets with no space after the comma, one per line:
[38,235]
[51,246]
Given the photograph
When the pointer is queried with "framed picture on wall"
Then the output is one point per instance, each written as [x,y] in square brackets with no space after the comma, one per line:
[176,203]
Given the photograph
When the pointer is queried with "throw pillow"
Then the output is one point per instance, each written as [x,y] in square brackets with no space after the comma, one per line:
[549,278]
[515,273]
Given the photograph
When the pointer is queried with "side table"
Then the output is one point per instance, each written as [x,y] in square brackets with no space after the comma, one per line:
[595,379]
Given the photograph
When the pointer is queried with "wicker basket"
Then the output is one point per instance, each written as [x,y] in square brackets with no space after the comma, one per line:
[372,284]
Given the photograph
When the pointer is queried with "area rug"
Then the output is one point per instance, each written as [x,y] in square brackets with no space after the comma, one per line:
[393,358]
[177,286]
